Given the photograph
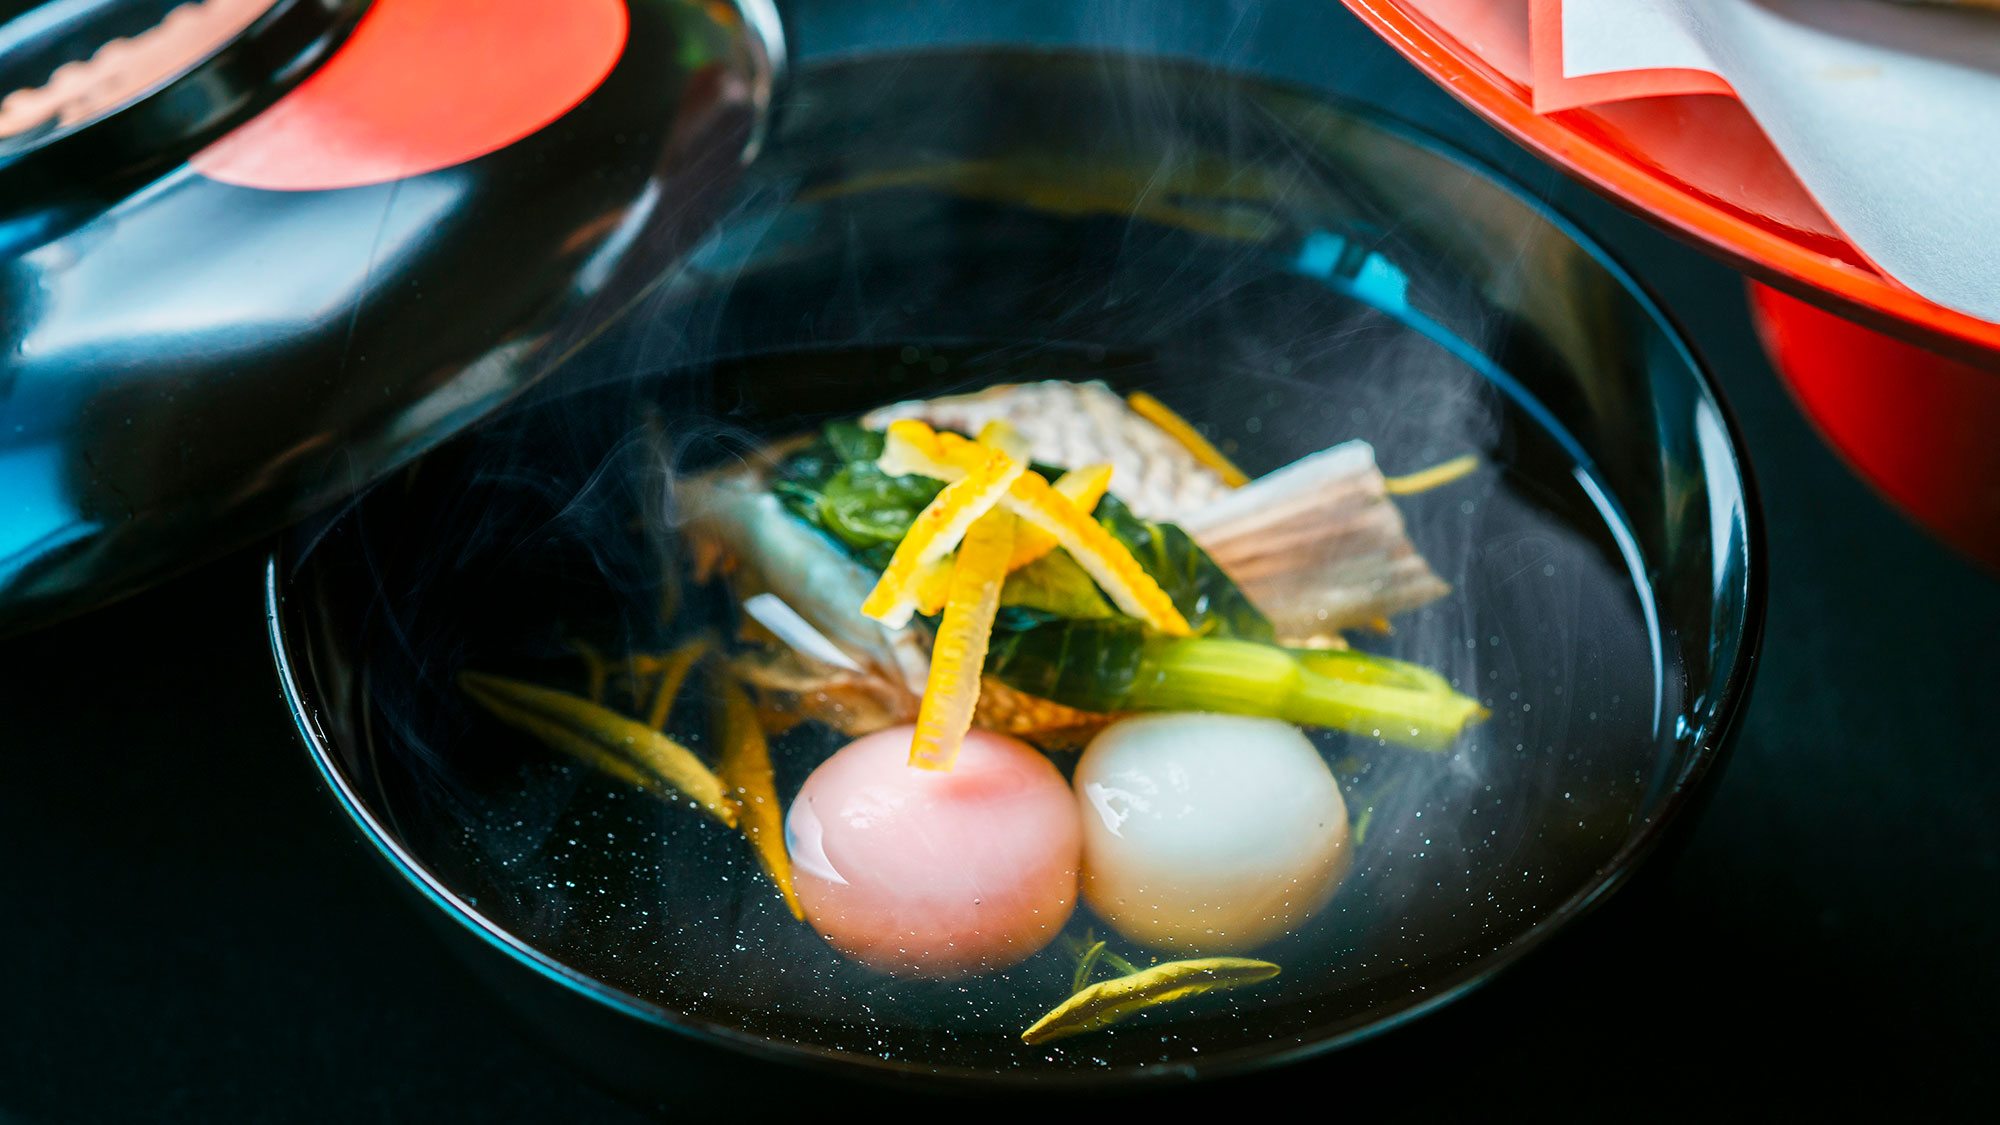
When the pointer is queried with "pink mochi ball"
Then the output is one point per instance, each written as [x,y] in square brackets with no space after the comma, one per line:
[927,873]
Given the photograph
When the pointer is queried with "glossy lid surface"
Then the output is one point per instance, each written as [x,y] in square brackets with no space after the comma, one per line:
[332,240]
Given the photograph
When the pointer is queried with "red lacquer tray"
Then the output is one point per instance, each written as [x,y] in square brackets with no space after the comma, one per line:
[1906,389]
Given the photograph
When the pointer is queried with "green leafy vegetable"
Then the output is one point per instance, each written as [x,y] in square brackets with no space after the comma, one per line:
[1090,665]
[1368,668]
[1057,637]
[834,485]
[1056,587]
[1201,590]
[865,507]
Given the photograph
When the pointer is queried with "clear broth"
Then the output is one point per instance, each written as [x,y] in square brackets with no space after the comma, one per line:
[499,568]
[835,289]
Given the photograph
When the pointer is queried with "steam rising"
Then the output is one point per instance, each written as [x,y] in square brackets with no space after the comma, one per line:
[1279,275]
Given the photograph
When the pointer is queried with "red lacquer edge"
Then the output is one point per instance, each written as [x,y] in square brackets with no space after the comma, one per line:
[1854,292]
[1554,91]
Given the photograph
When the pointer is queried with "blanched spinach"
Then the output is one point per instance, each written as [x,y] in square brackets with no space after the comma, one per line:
[1057,637]
[834,484]
[1205,595]
[1089,661]
[1056,588]
[1089,665]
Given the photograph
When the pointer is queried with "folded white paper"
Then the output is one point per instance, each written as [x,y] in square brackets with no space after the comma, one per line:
[1889,114]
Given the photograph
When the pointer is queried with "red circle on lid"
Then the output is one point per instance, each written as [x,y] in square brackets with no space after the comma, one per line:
[423,85]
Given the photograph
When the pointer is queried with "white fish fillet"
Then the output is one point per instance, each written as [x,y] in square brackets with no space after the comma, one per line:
[1318,546]
[1070,425]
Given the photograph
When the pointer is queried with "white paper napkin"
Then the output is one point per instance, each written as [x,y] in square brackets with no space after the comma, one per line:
[1889,114]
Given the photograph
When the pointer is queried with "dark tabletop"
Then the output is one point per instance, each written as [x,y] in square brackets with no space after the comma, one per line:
[188,932]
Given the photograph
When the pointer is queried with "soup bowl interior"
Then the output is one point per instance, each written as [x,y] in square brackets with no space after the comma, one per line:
[1287,274]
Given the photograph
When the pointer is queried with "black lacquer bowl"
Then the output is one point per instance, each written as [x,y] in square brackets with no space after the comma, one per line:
[1288,273]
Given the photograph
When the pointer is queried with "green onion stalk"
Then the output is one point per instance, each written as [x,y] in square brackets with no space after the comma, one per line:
[1369,697]
[1115,665]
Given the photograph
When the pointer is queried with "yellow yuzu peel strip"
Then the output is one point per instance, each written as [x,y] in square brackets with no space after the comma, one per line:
[674,669]
[913,447]
[958,657]
[745,769]
[933,586]
[910,446]
[937,530]
[1178,428]
[1083,487]
[1424,480]
[1104,557]
[1000,434]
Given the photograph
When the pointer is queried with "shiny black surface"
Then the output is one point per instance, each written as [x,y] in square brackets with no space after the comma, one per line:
[56,176]
[196,363]
[190,938]
[194,938]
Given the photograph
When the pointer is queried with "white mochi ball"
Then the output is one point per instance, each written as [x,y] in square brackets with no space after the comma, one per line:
[1208,833]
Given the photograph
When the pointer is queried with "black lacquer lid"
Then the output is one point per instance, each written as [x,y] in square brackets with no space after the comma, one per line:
[255,254]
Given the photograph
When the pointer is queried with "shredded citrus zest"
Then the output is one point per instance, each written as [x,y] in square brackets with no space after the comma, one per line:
[933,584]
[1177,427]
[1423,480]
[985,477]
[913,447]
[596,672]
[745,769]
[1104,557]
[1000,434]
[1030,543]
[674,669]
[910,446]
[1083,487]
[958,657]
